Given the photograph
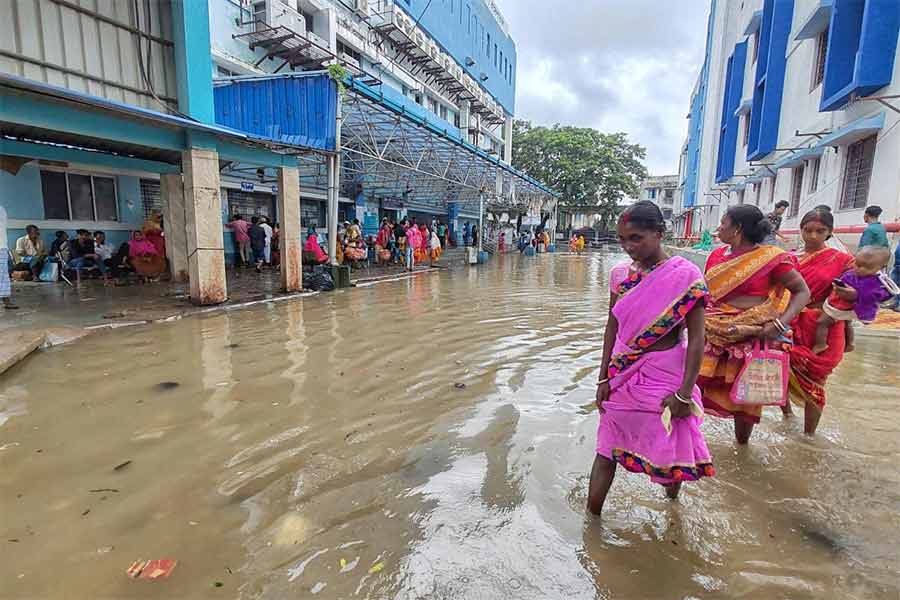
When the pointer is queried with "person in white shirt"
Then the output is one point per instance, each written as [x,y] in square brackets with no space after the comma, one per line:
[264,223]
[5,285]
[103,250]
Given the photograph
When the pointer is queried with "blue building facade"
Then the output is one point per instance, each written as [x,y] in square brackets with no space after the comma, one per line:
[475,36]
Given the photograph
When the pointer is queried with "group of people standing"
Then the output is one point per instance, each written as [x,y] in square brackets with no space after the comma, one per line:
[410,242]
[258,241]
[655,387]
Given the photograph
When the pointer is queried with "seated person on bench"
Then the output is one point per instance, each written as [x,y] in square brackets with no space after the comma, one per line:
[84,256]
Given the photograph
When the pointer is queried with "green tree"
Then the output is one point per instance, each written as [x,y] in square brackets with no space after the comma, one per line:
[592,171]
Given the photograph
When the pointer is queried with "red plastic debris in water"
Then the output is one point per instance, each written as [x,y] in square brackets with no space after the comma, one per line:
[151,569]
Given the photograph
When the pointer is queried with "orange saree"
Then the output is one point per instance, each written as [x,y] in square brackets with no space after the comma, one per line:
[730,331]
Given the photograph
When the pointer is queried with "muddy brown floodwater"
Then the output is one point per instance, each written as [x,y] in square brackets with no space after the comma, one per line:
[322,448]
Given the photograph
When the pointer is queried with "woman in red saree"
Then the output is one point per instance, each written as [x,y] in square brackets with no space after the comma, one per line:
[819,266]
[756,291]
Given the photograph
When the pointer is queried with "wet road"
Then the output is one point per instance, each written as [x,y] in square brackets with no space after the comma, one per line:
[322,448]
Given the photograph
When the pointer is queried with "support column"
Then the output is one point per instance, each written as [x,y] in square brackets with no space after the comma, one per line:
[480,223]
[289,210]
[332,210]
[203,218]
[171,191]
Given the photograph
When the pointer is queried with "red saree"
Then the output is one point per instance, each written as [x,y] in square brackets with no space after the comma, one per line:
[730,331]
[809,371]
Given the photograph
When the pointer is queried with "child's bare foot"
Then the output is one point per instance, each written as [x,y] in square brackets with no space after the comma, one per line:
[849,348]
[819,348]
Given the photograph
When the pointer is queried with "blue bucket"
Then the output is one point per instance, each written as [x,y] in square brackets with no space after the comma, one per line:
[529,251]
[482,257]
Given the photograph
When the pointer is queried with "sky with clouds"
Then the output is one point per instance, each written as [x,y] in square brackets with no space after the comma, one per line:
[615,65]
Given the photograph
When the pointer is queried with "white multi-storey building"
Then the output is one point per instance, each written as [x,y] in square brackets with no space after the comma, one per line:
[661,191]
[798,100]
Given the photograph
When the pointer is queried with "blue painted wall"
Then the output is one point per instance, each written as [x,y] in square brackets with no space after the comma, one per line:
[297,110]
[862,45]
[462,28]
[23,199]
[695,122]
[765,118]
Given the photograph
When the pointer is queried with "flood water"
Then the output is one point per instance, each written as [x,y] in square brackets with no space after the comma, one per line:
[322,448]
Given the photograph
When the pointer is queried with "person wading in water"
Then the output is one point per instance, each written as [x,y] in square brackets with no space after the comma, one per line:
[647,398]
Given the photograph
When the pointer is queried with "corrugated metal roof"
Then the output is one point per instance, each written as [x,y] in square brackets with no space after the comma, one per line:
[296,110]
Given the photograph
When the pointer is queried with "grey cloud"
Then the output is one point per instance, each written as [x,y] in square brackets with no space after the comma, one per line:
[617,65]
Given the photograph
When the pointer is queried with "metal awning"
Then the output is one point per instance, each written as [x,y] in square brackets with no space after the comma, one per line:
[755,22]
[798,157]
[853,132]
[744,107]
[392,150]
[295,50]
[817,21]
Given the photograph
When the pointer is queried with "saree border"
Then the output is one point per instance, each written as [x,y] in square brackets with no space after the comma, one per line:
[740,269]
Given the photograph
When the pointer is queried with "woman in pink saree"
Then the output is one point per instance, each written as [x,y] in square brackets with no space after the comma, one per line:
[647,395]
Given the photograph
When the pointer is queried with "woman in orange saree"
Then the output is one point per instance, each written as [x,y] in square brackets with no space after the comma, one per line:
[819,267]
[755,290]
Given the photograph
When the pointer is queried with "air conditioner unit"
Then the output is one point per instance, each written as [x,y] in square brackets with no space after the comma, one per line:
[361,7]
[316,40]
[421,40]
[436,54]
[277,13]
[401,21]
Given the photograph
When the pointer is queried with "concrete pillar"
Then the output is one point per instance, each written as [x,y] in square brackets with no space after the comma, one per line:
[171,191]
[289,210]
[203,224]
[332,217]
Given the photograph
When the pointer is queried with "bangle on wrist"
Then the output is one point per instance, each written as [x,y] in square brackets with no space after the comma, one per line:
[781,327]
[682,399]
[602,381]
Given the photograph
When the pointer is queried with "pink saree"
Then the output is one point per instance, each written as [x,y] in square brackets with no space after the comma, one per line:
[631,430]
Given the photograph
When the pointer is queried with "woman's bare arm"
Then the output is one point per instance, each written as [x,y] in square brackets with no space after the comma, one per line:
[696,321]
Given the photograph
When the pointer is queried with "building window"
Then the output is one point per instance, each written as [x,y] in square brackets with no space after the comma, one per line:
[796,190]
[79,197]
[151,200]
[818,74]
[251,204]
[312,214]
[815,164]
[669,197]
[755,45]
[747,128]
[857,173]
